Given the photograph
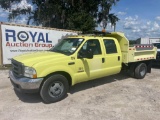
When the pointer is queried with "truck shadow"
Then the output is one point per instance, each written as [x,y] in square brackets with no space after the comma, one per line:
[35,98]
[156,66]
[28,98]
[97,82]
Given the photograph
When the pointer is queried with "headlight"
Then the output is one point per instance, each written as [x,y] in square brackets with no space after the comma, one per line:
[30,72]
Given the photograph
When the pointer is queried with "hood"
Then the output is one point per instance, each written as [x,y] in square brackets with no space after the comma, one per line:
[30,59]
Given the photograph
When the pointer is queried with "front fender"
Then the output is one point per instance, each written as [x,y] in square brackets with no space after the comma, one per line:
[48,70]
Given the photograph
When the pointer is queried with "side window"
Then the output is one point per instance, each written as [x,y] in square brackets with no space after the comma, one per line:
[92,44]
[110,46]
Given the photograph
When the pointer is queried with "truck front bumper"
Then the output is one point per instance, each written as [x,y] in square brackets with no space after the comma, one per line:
[24,84]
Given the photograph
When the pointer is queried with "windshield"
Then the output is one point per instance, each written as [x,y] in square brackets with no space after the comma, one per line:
[157,45]
[67,46]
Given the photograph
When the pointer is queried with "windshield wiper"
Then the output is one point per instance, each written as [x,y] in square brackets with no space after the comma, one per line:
[59,51]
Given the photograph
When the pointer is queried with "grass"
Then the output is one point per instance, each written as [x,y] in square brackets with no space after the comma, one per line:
[5,67]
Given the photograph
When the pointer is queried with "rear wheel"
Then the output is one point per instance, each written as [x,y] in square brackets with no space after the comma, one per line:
[140,71]
[132,70]
[54,88]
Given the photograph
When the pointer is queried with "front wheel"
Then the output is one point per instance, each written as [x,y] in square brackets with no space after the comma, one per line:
[54,88]
[140,71]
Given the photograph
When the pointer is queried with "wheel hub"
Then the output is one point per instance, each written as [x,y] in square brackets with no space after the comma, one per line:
[56,89]
[143,71]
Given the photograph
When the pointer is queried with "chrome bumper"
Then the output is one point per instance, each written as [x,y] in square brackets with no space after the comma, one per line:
[25,84]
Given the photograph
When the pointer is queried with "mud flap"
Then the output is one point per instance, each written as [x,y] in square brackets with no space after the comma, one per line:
[149,66]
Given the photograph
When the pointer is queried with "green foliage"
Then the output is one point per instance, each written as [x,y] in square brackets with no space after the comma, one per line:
[81,21]
[80,15]
[104,15]
[5,4]
[132,42]
[15,11]
[113,20]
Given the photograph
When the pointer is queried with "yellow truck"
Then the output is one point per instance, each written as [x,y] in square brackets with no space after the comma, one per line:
[77,59]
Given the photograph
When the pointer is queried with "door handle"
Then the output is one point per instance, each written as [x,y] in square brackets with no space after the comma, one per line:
[71,63]
[118,58]
[103,60]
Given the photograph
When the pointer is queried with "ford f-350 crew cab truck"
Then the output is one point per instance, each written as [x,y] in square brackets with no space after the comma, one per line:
[77,59]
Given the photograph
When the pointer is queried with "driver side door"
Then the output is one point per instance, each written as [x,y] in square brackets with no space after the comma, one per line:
[89,68]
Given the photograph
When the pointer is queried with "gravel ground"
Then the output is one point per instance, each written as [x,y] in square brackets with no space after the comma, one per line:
[117,97]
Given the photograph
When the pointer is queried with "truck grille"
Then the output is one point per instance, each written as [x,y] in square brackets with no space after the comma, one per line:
[17,68]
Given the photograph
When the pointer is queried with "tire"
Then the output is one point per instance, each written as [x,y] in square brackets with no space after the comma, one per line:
[54,88]
[140,71]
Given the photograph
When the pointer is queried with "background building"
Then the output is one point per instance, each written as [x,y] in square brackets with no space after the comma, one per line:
[147,40]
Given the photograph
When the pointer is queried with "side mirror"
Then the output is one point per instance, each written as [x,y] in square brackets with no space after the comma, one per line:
[86,54]
[89,54]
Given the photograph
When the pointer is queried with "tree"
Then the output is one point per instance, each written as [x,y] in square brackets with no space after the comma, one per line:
[14,9]
[66,14]
[113,20]
[104,15]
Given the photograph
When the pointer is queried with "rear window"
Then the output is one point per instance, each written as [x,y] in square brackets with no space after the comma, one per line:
[110,46]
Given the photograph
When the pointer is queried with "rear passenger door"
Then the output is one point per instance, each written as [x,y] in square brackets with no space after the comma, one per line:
[112,56]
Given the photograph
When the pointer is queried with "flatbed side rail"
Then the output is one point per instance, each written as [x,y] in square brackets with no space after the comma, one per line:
[141,52]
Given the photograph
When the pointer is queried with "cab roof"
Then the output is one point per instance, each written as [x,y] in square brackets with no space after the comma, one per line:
[99,34]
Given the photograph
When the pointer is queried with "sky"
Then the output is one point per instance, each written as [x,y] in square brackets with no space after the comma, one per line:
[138,18]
